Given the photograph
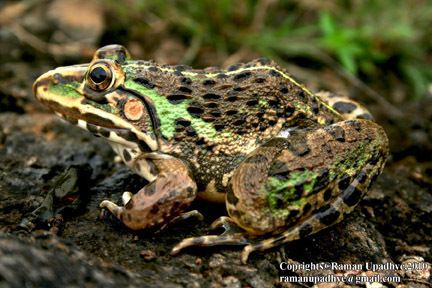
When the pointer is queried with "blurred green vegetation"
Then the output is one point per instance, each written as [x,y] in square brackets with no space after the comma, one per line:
[366,38]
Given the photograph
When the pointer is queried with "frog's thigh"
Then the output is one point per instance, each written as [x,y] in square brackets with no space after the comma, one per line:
[161,200]
[309,183]
[349,108]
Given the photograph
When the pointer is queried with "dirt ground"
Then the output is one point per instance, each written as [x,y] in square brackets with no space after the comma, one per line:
[61,240]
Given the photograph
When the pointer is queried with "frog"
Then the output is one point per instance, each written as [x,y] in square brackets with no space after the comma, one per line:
[286,162]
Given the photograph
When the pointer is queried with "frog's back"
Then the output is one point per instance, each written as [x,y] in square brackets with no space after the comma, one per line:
[251,101]
[214,118]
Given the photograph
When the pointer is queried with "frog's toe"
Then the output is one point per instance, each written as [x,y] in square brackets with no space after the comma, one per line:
[112,207]
[182,217]
[229,226]
[210,240]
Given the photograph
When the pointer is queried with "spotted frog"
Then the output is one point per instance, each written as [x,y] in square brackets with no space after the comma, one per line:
[286,162]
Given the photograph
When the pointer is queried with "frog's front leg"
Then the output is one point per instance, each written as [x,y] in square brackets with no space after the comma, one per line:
[293,187]
[171,191]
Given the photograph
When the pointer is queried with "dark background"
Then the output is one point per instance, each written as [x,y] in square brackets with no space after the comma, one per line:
[378,52]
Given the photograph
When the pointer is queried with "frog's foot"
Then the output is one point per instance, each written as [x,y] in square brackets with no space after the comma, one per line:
[182,217]
[233,235]
[161,200]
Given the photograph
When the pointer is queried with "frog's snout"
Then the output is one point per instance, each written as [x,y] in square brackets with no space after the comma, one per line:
[71,76]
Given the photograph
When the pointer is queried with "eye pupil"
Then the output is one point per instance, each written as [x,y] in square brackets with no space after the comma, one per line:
[98,75]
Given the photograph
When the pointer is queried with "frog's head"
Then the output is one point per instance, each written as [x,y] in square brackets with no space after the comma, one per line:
[94,97]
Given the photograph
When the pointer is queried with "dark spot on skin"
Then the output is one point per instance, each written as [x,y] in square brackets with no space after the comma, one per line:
[211,96]
[374,159]
[279,169]
[242,76]
[153,69]
[238,89]
[272,122]
[275,73]
[338,133]
[307,207]
[232,97]
[344,107]
[299,147]
[59,78]
[231,112]
[195,110]
[321,181]
[239,121]
[354,124]
[104,132]
[351,196]
[178,73]
[142,145]
[283,89]
[233,67]
[362,176]
[209,82]
[328,216]
[344,181]
[177,98]
[305,230]
[231,198]
[200,141]
[314,105]
[365,116]
[183,122]
[252,102]
[280,203]
[145,82]
[219,126]
[294,213]
[327,194]
[92,128]
[152,168]
[273,102]
[185,90]
[186,81]
[182,67]
[211,105]
[221,75]
[190,131]
[126,155]
[215,113]
[121,57]
[289,110]
[260,80]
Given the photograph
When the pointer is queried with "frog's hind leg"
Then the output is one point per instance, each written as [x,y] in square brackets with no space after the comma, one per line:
[328,215]
[347,107]
[292,187]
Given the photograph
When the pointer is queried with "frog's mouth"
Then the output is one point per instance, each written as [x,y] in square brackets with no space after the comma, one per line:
[60,90]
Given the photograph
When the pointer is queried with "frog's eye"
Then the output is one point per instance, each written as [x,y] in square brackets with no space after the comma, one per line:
[99,77]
